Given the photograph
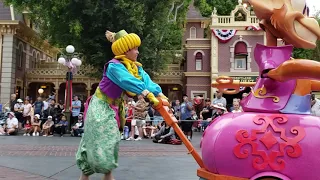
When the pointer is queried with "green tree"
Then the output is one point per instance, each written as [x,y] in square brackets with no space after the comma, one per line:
[224,7]
[313,54]
[83,23]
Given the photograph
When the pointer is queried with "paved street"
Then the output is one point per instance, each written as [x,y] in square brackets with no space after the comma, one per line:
[43,158]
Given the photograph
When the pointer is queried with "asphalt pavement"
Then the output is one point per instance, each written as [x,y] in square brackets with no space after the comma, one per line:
[53,158]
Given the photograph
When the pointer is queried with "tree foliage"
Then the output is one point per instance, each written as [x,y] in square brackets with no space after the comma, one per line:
[83,23]
[313,54]
[224,7]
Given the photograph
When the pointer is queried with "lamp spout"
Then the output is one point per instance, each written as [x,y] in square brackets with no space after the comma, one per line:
[296,69]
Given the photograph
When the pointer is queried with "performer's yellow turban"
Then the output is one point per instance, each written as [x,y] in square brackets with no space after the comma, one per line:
[122,41]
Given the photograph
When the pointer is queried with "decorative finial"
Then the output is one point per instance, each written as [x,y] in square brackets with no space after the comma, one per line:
[240,2]
[214,11]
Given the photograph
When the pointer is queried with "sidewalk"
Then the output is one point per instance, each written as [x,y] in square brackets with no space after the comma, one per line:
[53,158]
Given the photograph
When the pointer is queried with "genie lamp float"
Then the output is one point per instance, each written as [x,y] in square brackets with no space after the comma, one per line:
[275,137]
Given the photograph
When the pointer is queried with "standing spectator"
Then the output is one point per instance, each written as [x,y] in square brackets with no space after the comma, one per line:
[18,111]
[76,107]
[38,106]
[26,111]
[185,108]
[176,108]
[186,125]
[13,101]
[206,114]
[315,106]
[140,114]
[219,99]
[52,109]
[52,95]
[45,108]
[129,119]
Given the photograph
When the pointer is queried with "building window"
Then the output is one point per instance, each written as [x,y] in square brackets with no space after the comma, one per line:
[199,61]
[19,56]
[34,60]
[240,62]
[241,56]
[38,60]
[193,33]
[202,94]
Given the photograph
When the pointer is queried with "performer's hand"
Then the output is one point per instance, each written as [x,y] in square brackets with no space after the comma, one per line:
[162,96]
[153,99]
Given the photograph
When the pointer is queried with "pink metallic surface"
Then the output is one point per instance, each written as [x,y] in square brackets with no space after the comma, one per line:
[288,146]
[269,58]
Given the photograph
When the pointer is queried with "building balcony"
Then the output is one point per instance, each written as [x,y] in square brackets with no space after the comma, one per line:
[241,16]
[53,71]
[172,75]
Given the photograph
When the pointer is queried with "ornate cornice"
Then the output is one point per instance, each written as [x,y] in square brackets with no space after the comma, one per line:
[27,35]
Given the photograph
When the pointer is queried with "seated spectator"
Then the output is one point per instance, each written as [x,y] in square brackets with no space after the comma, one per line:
[11,126]
[164,135]
[77,129]
[48,127]
[62,126]
[148,129]
[36,125]
[27,127]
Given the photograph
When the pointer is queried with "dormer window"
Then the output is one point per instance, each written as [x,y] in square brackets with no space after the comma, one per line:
[193,33]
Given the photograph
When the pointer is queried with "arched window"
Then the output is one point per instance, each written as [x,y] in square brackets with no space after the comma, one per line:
[38,59]
[240,56]
[19,56]
[34,60]
[199,61]
[193,33]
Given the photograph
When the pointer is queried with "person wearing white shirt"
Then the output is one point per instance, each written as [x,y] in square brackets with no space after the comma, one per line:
[11,126]
[315,106]
[219,99]
[45,105]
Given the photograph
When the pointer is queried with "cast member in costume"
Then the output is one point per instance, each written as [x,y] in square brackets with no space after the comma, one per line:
[99,146]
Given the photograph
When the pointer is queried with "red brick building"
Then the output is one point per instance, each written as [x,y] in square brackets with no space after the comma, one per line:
[223,49]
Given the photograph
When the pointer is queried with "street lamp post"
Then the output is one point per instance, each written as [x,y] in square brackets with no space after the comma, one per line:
[71,61]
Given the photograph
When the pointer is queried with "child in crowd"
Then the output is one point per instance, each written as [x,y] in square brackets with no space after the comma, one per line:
[236,107]
[27,128]
[48,127]
[36,125]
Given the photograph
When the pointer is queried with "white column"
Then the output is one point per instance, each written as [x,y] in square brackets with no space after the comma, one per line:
[214,61]
[8,68]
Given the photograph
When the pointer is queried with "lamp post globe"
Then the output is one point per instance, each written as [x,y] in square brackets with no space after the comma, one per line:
[40,91]
[61,60]
[76,61]
[70,49]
